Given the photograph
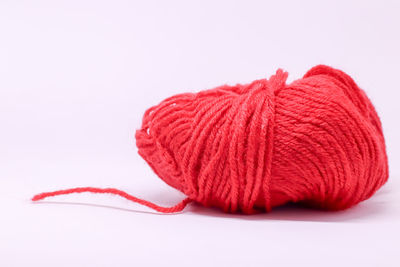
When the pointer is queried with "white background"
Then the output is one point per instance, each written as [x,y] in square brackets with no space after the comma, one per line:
[76,78]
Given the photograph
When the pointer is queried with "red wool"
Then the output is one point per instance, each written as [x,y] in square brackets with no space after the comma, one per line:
[317,141]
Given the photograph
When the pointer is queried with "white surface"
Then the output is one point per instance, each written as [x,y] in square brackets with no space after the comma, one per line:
[76,78]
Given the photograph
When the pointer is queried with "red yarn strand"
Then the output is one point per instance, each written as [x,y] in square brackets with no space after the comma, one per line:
[177,208]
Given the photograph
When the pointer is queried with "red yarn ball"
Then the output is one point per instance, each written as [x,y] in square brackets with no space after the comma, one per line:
[316,141]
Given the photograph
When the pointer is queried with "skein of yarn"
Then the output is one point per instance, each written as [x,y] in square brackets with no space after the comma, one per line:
[245,148]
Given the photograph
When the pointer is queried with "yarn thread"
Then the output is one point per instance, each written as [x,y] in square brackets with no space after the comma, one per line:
[178,207]
[245,148]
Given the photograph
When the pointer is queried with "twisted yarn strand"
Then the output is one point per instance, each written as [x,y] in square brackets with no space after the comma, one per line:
[179,207]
